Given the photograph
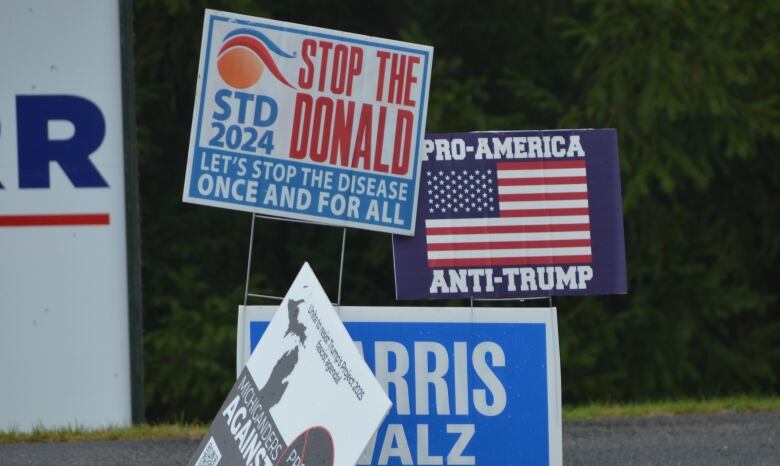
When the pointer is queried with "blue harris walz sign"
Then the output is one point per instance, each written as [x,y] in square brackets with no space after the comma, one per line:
[469,387]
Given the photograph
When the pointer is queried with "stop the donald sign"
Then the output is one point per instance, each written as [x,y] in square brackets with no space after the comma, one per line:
[308,123]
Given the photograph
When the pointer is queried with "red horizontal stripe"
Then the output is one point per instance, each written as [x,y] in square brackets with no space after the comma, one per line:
[541,181]
[545,212]
[557,243]
[543,197]
[501,261]
[506,229]
[552,164]
[51,220]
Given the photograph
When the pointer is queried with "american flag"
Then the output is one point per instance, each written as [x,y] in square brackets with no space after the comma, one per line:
[520,213]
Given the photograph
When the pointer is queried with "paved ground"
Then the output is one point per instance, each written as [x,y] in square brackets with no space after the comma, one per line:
[721,439]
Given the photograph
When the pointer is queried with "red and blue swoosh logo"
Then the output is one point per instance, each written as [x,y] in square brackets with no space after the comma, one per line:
[244,56]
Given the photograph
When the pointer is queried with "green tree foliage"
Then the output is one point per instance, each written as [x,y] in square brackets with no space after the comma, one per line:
[692,89]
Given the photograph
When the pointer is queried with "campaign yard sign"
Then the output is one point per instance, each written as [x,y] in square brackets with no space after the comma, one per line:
[515,214]
[308,123]
[469,386]
[305,397]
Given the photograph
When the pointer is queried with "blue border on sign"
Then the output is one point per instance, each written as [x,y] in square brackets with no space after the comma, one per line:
[423,89]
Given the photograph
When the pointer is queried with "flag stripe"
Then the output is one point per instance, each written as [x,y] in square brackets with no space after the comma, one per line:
[506,221]
[547,212]
[510,237]
[499,261]
[542,181]
[536,205]
[503,245]
[520,252]
[540,173]
[544,196]
[537,165]
[484,230]
[535,189]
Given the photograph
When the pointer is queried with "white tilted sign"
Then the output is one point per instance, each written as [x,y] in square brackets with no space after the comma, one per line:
[305,397]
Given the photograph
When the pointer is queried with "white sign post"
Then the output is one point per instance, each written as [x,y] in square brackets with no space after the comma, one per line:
[305,397]
[308,123]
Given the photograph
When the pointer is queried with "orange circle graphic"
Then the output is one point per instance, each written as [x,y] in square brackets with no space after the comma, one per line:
[240,67]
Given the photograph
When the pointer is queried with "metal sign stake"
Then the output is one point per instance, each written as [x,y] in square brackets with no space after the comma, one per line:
[248,295]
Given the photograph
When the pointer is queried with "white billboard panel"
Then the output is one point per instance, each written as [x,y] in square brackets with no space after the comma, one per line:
[64,340]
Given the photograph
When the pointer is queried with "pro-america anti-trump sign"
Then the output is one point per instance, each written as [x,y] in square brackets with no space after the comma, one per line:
[308,123]
[514,214]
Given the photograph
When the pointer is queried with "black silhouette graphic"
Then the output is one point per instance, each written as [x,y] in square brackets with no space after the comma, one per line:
[277,382]
[295,327]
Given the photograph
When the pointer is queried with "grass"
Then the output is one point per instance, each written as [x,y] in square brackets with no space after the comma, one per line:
[76,434]
[584,412]
[670,408]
